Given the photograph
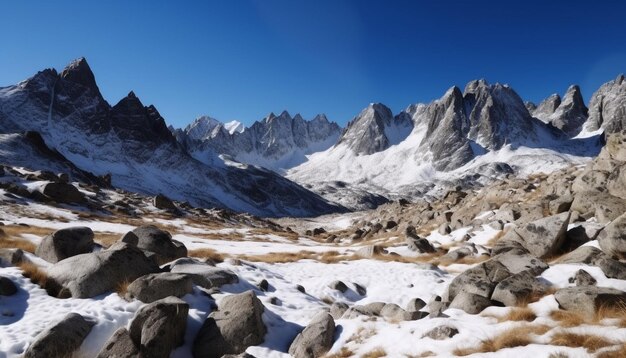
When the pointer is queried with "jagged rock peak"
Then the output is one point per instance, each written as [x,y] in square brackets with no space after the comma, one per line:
[607,108]
[472,86]
[78,71]
[547,107]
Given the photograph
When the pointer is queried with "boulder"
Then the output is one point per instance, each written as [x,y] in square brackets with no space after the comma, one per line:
[517,289]
[337,309]
[203,274]
[164,203]
[63,193]
[61,339]
[339,286]
[370,251]
[479,280]
[89,275]
[583,255]
[583,278]
[519,260]
[545,236]
[560,204]
[159,327]
[154,240]
[419,244]
[470,302]
[616,182]
[263,285]
[441,332]
[604,206]
[120,345]
[415,304]
[155,286]
[393,312]
[444,229]
[11,257]
[316,339]
[7,287]
[589,299]
[65,243]
[235,326]
[612,239]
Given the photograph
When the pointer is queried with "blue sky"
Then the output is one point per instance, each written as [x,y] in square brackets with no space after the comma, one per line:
[243,59]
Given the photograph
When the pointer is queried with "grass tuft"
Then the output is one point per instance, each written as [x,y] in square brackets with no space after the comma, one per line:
[590,342]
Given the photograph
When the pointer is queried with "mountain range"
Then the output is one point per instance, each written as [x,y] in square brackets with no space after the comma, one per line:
[287,166]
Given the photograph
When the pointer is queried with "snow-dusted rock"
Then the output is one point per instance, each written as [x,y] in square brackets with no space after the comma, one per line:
[544,236]
[607,108]
[612,238]
[316,339]
[163,202]
[203,274]
[153,287]
[589,299]
[63,193]
[120,345]
[153,240]
[441,332]
[65,243]
[61,339]
[583,278]
[470,302]
[517,289]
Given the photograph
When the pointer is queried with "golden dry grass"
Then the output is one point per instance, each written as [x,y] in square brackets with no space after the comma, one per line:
[376,353]
[106,239]
[620,352]
[34,273]
[574,319]
[519,314]
[343,353]
[590,342]
[207,253]
[284,257]
[122,288]
[492,242]
[16,243]
[568,318]
[514,337]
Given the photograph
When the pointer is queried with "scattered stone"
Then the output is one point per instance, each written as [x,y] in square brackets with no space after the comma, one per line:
[318,231]
[470,302]
[337,309]
[370,251]
[612,239]
[444,229]
[441,332]
[237,325]
[63,193]
[583,278]
[61,339]
[159,327]
[416,243]
[362,291]
[588,299]
[316,339]
[155,286]
[65,243]
[164,203]
[7,287]
[203,274]
[151,239]
[517,289]
[339,286]
[545,236]
[120,345]
[263,285]
[11,257]
[300,288]
[415,304]
[390,225]
[394,312]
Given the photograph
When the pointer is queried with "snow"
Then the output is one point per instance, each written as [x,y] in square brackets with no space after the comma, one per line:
[234,127]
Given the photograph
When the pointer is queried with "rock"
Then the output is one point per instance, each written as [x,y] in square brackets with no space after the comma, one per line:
[370,251]
[236,326]
[394,312]
[444,229]
[479,280]
[604,206]
[318,231]
[203,274]
[61,339]
[520,260]
[390,225]
[316,339]
[416,243]
[589,299]
[300,288]
[505,216]
[164,203]
[470,302]
[155,286]
[584,255]
[159,327]
[545,236]
[89,275]
[154,240]
[362,291]
[374,308]
[7,287]
[517,289]
[457,254]
[11,257]
[264,285]
[612,239]
[371,309]
[339,286]
[560,205]
[63,193]
[579,235]
[441,332]
[415,304]
[120,345]
[337,309]
[65,243]
[583,278]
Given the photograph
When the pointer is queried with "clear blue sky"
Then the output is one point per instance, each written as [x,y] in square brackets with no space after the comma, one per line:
[242,59]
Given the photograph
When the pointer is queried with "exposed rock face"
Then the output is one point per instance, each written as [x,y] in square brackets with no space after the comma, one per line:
[544,236]
[607,108]
[62,339]
[316,339]
[159,327]
[92,274]
[612,238]
[571,113]
[153,287]
[374,130]
[236,326]
[65,243]
[153,240]
[547,107]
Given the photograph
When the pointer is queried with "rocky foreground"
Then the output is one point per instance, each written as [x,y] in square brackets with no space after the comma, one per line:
[524,266]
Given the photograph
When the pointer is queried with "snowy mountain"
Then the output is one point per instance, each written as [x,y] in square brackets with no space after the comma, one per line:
[607,108]
[473,135]
[132,143]
[276,142]
[568,114]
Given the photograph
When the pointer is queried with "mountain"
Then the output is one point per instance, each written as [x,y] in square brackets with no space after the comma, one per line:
[607,108]
[276,142]
[568,114]
[234,126]
[463,137]
[132,143]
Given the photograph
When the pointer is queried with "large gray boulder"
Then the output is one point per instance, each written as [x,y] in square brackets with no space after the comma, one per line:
[159,327]
[235,326]
[480,280]
[316,339]
[155,241]
[604,206]
[61,339]
[583,278]
[11,257]
[337,309]
[155,286]
[590,255]
[202,273]
[120,345]
[7,287]
[518,289]
[63,193]
[470,302]
[416,243]
[519,260]
[589,299]
[65,243]
[545,236]
[393,312]
[89,275]
[612,239]
[163,202]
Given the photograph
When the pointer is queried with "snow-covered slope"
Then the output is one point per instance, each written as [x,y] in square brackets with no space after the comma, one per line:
[460,136]
[132,143]
[276,142]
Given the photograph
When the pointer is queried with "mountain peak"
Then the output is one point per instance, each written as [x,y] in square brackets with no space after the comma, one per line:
[78,71]
[320,117]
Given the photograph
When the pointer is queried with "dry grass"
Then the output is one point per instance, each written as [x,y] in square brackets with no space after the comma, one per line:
[514,337]
[106,239]
[590,342]
[343,353]
[122,288]
[617,353]
[326,257]
[492,242]
[40,277]
[207,253]
[519,314]
[574,319]
[16,243]
[376,353]
[568,318]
